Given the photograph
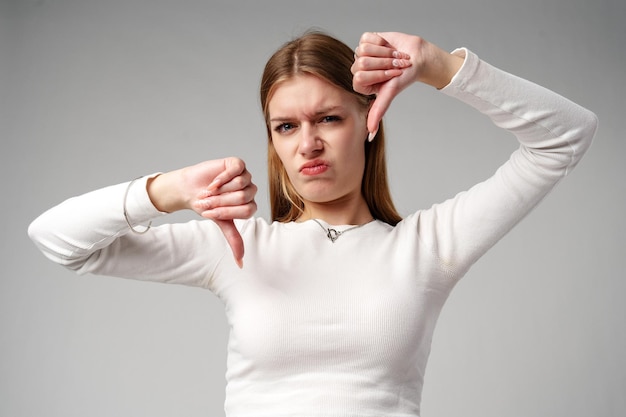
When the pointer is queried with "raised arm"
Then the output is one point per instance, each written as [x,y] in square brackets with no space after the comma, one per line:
[553,133]
[79,231]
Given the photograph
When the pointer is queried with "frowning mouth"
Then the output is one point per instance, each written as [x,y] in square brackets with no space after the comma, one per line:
[314,167]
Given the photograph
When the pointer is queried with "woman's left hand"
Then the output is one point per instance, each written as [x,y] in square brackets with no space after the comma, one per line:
[386,63]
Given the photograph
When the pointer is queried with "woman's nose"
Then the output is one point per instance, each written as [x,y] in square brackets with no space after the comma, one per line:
[310,142]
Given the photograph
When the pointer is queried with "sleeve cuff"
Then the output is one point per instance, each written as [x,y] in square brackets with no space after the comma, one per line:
[138,204]
[468,68]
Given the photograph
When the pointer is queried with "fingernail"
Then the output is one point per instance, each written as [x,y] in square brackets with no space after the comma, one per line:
[207,203]
[400,63]
[393,72]
[401,55]
[372,135]
[239,263]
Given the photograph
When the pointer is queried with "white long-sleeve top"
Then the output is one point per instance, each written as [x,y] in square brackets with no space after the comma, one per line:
[324,329]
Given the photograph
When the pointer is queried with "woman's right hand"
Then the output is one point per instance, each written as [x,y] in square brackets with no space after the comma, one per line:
[221,190]
[388,62]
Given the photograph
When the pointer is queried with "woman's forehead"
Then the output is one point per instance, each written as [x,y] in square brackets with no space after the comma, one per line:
[307,94]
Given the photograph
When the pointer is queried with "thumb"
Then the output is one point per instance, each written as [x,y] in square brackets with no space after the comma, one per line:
[378,109]
[234,239]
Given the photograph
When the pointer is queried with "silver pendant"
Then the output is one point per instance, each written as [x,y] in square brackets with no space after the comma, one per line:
[333,235]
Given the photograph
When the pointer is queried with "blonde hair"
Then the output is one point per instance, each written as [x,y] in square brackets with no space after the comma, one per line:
[321,55]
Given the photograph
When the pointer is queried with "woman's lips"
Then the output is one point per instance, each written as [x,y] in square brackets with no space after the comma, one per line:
[315,167]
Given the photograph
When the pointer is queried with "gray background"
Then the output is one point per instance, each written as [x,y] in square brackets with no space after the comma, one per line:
[99,92]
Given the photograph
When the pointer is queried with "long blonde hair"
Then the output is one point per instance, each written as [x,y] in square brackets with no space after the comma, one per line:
[321,55]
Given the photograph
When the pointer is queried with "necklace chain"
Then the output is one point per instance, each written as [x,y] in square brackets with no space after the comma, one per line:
[333,234]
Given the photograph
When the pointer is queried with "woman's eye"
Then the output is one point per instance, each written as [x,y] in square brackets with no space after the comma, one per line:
[330,119]
[284,127]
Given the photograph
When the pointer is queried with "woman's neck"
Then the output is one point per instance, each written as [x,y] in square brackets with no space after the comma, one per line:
[350,211]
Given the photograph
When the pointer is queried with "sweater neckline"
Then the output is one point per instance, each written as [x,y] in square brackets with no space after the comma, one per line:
[318,222]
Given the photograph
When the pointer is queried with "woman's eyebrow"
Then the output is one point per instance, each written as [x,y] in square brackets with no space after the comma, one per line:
[324,110]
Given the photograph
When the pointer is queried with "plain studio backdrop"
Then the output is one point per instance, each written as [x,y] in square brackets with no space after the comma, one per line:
[99,92]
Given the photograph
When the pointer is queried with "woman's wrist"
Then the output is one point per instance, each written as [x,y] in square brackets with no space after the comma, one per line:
[164,193]
[442,67]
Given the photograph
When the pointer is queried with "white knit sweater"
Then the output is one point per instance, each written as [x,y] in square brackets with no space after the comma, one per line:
[335,329]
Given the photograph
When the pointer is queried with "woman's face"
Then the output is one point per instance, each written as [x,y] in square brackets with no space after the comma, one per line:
[318,131]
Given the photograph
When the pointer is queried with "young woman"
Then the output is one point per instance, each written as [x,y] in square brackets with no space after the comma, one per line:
[333,312]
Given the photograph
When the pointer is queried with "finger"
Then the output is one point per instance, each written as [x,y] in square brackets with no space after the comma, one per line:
[376,44]
[364,79]
[242,211]
[230,199]
[237,183]
[232,168]
[234,239]
[373,38]
[372,50]
[369,49]
[378,109]
[371,63]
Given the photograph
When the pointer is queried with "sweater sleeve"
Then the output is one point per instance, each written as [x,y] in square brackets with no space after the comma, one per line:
[89,234]
[553,133]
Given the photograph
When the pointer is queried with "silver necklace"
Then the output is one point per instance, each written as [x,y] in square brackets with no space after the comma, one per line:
[333,234]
